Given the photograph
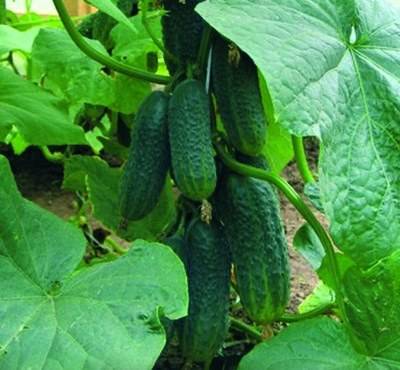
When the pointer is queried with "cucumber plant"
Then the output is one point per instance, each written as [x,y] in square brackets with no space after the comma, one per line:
[174,120]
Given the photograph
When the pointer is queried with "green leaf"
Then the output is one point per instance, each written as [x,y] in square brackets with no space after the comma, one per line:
[372,305]
[317,344]
[278,148]
[69,73]
[332,72]
[133,51]
[12,39]
[307,243]
[40,118]
[110,8]
[321,295]
[312,192]
[93,175]
[105,316]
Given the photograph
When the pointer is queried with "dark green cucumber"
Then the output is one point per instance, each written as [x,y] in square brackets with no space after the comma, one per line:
[249,210]
[203,331]
[182,30]
[148,161]
[190,139]
[237,92]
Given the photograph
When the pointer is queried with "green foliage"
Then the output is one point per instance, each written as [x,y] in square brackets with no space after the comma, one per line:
[321,68]
[79,316]
[102,184]
[39,117]
[344,90]
[249,211]
[148,162]
[111,13]
[331,350]
[349,67]
[237,92]
[72,75]
[207,258]
[190,139]
[12,39]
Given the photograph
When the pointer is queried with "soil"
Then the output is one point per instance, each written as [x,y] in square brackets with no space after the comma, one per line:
[41,182]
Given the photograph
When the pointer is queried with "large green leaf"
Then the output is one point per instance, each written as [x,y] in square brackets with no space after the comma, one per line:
[40,118]
[69,73]
[317,344]
[332,71]
[373,301]
[12,39]
[93,175]
[105,316]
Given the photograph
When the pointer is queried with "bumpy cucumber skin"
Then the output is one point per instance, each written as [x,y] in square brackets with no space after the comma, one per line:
[249,210]
[203,331]
[190,138]
[148,161]
[182,30]
[239,101]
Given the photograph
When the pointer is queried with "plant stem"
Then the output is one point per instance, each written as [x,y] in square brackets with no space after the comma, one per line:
[303,209]
[101,57]
[307,315]
[114,245]
[56,157]
[248,329]
[301,160]
[3,12]
[146,25]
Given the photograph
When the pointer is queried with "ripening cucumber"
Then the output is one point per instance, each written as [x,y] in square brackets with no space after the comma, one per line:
[249,210]
[236,88]
[148,162]
[203,331]
[182,30]
[193,165]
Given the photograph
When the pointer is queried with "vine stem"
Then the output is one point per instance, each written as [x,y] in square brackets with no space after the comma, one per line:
[101,57]
[301,159]
[56,157]
[248,329]
[293,317]
[303,209]
[146,25]
[287,318]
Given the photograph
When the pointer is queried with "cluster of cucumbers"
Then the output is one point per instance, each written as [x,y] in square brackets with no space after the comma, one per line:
[242,239]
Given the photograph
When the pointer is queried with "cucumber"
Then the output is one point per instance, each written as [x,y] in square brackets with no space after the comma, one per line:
[148,162]
[182,30]
[249,210]
[203,331]
[238,96]
[192,158]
